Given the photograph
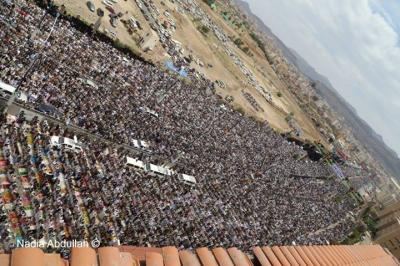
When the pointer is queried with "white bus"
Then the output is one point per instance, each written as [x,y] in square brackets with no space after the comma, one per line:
[135,163]
[161,170]
[140,144]
[188,179]
[71,144]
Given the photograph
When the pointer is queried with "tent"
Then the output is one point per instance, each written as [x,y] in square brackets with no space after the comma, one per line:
[170,65]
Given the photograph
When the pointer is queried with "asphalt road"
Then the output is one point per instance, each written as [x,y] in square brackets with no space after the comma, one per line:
[3,102]
[15,109]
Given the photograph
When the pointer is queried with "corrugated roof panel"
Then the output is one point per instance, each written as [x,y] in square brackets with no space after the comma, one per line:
[222,257]
[289,256]
[262,259]
[305,257]
[281,257]
[83,257]
[140,252]
[238,258]
[380,250]
[317,256]
[271,256]
[53,260]
[153,259]
[171,256]
[108,256]
[188,258]
[126,259]
[324,255]
[295,255]
[333,256]
[344,255]
[339,257]
[372,252]
[353,254]
[266,256]
[30,256]
[310,255]
[206,257]
[360,253]
[5,259]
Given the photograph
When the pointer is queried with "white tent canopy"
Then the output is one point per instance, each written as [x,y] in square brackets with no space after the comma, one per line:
[188,179]
[159,170]
[67,143]
[134,162]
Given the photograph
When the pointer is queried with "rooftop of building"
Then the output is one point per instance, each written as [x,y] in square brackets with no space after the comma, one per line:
[171,256]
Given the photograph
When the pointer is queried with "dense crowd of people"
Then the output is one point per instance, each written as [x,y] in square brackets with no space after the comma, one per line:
[251,190]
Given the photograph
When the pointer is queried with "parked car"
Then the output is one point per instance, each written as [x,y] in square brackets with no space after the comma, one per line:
[91,6]
[110,9]
[113,22]
[100,12]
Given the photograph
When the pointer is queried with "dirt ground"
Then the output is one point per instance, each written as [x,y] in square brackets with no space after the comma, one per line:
[208,50]
[268,78]
[128,8]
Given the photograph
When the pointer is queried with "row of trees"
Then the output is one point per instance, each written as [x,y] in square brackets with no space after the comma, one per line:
[240,44]
[261,45]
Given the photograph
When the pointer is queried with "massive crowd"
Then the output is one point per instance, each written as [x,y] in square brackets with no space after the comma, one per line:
[249,188]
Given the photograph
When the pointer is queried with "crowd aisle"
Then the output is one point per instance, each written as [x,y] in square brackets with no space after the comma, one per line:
[246,193]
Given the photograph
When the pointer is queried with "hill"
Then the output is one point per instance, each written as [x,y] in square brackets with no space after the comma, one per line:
[372,141]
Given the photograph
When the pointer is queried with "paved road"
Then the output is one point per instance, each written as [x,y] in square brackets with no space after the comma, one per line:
[3,102]
[15,109]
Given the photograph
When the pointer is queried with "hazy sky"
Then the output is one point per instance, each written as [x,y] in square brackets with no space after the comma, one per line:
[355,43]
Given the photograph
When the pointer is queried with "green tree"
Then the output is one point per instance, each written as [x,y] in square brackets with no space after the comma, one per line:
[204,29]
[246,49]
[238,42]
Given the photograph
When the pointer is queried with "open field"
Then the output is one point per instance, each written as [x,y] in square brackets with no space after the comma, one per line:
[211,57]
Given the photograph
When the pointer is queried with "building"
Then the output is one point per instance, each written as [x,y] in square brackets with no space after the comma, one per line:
[388,228]
[387,194]
[171,256]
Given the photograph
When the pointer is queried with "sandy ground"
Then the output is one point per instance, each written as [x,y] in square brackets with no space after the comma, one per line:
[204,49]
[208,50]
[128,8]
[267,77]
